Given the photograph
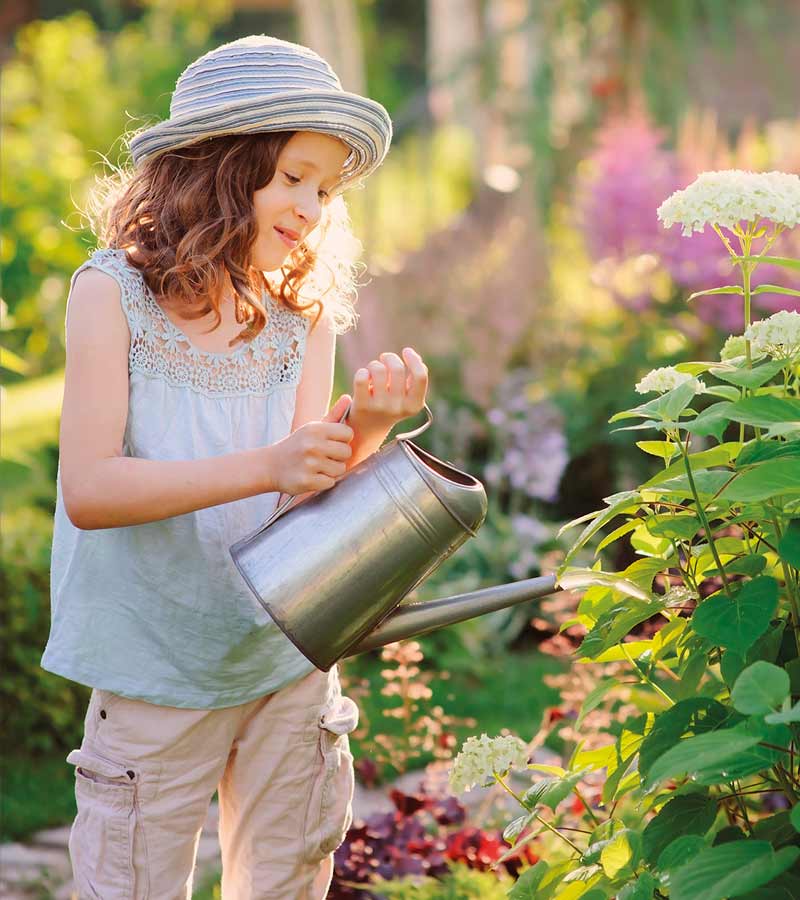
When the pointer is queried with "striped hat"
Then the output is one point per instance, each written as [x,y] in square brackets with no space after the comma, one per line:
[261,83]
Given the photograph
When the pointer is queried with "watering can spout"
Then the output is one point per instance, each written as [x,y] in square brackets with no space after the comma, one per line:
[416,619]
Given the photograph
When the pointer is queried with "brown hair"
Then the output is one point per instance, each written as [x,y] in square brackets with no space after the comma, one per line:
[188,214]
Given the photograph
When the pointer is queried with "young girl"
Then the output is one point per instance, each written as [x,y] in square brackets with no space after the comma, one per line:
[198,381]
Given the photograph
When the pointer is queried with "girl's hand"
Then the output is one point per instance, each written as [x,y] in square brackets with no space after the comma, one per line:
[313,457]
[387,391]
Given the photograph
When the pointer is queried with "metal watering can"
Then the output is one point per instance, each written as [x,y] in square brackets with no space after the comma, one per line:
[332,574]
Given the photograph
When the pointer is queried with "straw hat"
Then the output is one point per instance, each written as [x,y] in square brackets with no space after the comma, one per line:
[261,83]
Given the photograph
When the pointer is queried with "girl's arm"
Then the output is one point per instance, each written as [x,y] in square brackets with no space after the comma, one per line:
[101,487]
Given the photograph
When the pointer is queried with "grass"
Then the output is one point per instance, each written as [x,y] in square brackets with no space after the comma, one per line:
[30,414]
[37,793]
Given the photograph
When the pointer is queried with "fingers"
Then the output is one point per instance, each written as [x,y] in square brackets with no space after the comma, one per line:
[417,381]
[396,385]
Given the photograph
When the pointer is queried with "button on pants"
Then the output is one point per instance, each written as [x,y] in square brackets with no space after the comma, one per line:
[145,775]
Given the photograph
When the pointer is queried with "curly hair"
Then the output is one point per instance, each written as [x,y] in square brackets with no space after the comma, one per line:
[188,214]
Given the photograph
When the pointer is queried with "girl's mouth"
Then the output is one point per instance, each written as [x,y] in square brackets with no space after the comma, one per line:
[290,242]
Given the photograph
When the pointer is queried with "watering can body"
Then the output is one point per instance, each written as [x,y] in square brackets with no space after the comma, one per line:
[331,568]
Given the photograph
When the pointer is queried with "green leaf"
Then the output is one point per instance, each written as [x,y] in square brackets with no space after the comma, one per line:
[550,792]
[777,829]
[730,870]
[751,378]
[753,564]
[739,622]
[713,419]
[661,449]
[760,689]
[765,648]
[700,752]
[617,533]
[782,261]
[526,886]
[684,526]
[785,716]
[765,410]
[726,289]
[574,578]
[789,544]
[666,407]
[776,289]
[594,698]
[513,830]
[707,484]
[759,450]
[690,814]
[617,855]
[641,889]
[726,391]
[695,714]
[795,816]
[680,852]
[615,624]
[618,504]
[704,459]
[764,480]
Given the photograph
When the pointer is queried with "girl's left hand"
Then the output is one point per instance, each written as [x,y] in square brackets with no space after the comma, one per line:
[388,390]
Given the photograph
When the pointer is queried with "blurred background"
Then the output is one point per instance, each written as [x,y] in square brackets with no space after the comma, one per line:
[511,237]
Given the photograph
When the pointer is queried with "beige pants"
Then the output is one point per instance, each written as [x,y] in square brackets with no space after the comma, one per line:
[145,776]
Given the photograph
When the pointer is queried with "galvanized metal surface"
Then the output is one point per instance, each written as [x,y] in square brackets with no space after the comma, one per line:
[334,566]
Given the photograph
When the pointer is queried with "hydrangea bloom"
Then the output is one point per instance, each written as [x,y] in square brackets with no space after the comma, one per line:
[729,197]
[480,757]
[779,335]
[733,347]
[665,379]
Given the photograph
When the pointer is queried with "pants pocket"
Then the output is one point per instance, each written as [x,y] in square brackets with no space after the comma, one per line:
[330,810]
[101,841]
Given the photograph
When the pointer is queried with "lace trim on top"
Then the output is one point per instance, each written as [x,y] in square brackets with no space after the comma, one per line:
[274,358]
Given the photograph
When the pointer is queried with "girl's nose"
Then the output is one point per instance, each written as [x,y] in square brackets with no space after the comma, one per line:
[308,209]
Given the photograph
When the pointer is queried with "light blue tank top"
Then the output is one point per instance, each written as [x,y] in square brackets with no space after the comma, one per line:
[159,612]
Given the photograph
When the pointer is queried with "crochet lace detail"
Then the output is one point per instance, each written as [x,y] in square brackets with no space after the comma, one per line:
[274,358]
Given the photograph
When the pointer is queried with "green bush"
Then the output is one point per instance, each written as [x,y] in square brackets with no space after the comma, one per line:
[41,712]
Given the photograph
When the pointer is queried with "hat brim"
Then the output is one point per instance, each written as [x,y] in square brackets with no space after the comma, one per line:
[361,123]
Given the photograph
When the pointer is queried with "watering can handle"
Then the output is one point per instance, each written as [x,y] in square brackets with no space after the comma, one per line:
[405,436]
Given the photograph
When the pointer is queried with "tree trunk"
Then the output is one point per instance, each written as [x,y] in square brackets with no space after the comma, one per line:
[330,28]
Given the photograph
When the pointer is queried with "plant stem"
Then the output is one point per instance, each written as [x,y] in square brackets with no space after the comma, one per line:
[790,589]
[657,688]
[587,807]
[536,816]
[742,807]
[702,514]
[785,784]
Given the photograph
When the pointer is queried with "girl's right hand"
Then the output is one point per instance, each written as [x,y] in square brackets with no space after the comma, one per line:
[311,458]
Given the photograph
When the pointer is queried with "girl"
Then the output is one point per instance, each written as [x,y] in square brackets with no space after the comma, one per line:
[197,390]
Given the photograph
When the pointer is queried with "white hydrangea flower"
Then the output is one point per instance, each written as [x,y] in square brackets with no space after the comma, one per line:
[733,347]
[778,335]
[480,757]
[731,196]
[678,594]
[665,379]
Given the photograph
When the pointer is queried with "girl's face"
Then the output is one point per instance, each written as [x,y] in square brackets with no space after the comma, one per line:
[289,207]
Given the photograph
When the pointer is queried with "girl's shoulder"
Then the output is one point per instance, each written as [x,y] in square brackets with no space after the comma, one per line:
[159,348]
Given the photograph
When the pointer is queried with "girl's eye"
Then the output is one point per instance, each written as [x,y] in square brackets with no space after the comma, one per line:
[293,179]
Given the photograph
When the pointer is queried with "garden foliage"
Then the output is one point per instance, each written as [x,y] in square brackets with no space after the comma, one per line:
[696,796]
